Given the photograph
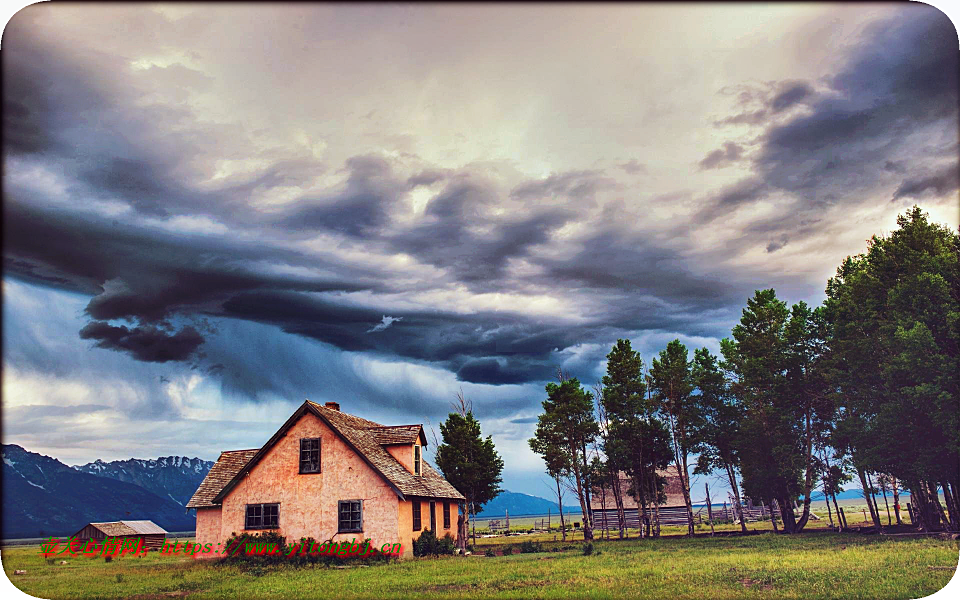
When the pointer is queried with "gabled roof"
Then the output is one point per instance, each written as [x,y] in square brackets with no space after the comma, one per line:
[364,437]
[219,475]
[124,528]
[399,434]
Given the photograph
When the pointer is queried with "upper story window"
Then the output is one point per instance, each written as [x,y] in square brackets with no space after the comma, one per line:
[350,516]
[262,516]
[310,455]
[417,468]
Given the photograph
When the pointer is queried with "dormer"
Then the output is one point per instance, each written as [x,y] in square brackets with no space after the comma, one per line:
[405,443]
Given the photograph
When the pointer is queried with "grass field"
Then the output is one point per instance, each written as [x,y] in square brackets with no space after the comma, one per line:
[814,565]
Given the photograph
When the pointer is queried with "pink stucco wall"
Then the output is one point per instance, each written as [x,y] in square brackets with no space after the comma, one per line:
[308,502]
[208,530]
[403,453]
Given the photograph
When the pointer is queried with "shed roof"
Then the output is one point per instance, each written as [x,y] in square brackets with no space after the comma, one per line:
[124,528]
[365,437]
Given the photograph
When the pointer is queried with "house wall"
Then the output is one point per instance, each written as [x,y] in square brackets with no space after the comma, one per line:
[208,530]
[407,533]
[308,502]
[404,454]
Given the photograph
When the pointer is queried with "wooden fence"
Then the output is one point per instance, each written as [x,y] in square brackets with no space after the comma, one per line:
[673,515]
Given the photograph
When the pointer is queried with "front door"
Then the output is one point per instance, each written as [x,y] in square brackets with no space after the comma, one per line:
[433,517]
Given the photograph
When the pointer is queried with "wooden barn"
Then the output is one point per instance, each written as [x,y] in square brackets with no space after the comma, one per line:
[153,535]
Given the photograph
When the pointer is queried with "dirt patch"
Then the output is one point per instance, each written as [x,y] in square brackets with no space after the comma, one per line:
[752,583]
[163,596]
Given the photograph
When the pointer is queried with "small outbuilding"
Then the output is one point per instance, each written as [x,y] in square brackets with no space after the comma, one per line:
[152,534]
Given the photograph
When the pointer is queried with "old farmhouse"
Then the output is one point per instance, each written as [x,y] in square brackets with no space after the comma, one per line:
[330,476]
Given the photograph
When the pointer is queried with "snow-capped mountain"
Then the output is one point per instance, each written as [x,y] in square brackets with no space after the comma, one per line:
[42,496]
[174,477]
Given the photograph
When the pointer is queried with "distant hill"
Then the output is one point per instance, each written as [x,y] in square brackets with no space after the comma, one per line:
[42,496]
[521,504]
[174,477]
[858,494]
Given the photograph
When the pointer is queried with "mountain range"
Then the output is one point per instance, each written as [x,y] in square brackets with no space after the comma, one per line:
[521,504]
[174,477]
[42,496]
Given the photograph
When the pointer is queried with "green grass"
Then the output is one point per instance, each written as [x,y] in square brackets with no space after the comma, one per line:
[815,565]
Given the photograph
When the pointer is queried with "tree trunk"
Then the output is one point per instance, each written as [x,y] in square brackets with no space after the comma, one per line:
[706,487]
[873,499]
[578,478]
[883,489]
[563,525]
[773,517]
[732,475]
[866,496]
[474,524]
[951,506]
[808,480]
[618,500]
[936,502]
[786,514]
[656,507]
[680,460]
[896,500]
[836,506]
[462,526]
[826,499]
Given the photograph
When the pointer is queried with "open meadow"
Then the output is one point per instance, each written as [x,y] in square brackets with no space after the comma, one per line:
[819,564]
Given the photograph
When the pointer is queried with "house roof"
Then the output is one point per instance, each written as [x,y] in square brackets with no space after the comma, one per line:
[398,434]
[219,475]
[124,528]
[365,437]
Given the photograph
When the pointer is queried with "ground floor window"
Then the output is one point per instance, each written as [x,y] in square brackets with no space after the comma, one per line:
[350,516]
[446,515]
[417,525]
[263,516]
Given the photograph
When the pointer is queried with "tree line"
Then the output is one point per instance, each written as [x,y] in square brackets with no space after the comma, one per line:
[867,385]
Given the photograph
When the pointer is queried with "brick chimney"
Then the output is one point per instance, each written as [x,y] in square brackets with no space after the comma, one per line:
[332,405]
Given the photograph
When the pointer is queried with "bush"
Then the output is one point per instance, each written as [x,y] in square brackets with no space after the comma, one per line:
[508,550]
[270,548]
[429,545]
[588,549]
[489,553]
[529,547]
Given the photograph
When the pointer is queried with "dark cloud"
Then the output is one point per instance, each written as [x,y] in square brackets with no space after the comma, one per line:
[790,93]
[756,117]
[730,198]
[580,185]
[147,343]
[777,244]
[633,167]
[722,157]
[362,205]
[939,183]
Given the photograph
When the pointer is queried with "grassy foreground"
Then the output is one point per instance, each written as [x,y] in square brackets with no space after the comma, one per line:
[816,565]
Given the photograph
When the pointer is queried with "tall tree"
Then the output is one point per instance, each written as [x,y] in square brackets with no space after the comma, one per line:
[672,385]
[716,441]
[563,432]
[469,462]
[621,395]
[894,314]
[771,441]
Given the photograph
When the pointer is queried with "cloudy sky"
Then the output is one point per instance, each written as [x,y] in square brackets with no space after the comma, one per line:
[212,212]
